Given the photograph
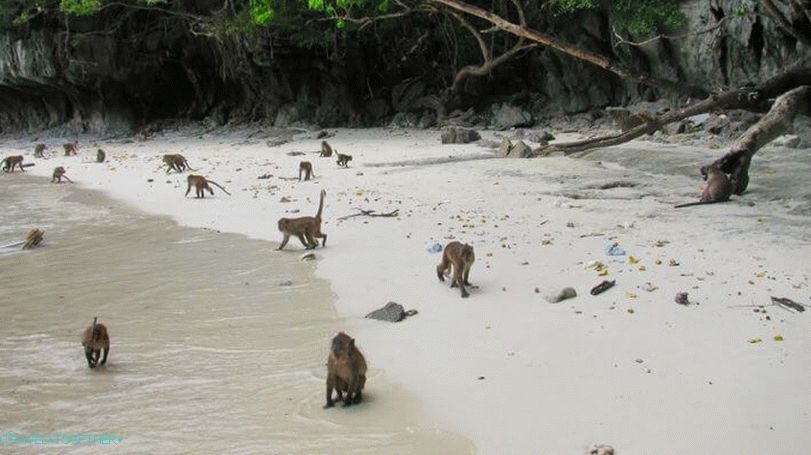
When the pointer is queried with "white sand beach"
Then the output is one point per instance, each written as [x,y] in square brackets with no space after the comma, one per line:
[504,367]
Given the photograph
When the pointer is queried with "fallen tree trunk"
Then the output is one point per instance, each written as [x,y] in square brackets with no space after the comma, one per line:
[747,98]
[779,118]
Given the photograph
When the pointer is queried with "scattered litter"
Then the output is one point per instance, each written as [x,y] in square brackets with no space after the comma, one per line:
[284,199]
[363,212]
[565,293]
[433,248]
[264,176]
[150,180]
[601,449]
[754,340]
[630,295]
[681,298]
[392,312]
[661,243]
[778,338]
[294,153]
[649,287]
[642,268]
[570,224]
[630,311]
[286,283]
[674,263]
[602,287]
[614,250]
[632,260]
[784,302]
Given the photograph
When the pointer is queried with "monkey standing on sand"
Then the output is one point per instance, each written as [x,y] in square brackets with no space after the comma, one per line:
[346,371]
[326,150]
[200,184]
[343,160]
[39,150]
[71,148]
[718,189]
[10,162]
[94,339]
[307,168]
[100,156]
[306,228]
[59,174]
[461,257]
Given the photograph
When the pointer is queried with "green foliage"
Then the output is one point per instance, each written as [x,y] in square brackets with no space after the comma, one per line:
[18,12]
[80,7]
[635,16]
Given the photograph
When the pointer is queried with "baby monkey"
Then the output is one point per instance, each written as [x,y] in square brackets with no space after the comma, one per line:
[718,189]
[346,371]
[10,161]
[94,339]
[307,168]
[461,257]
[59,174]
[343,160]
[326,150]
[71,148]
[201,184]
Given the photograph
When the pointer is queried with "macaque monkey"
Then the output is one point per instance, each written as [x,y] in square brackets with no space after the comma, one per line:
[343,160]
[100,156]
[201,184]
[39,150]
[59,174]
[307,168]
[306,228]
[71,148]
[33,238]
[346,371]
[461,257]
[718,189]
[10,161]
[177,162]
[326,150]
[94,339]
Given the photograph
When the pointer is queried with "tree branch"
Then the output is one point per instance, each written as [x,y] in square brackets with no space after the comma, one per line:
[784,23]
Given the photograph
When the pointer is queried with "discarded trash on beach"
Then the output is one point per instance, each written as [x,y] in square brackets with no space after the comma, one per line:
[433,248]
[602,287]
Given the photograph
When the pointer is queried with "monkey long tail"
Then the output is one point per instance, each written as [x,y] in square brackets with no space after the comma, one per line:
[321,204]
[218,186]
[690,204]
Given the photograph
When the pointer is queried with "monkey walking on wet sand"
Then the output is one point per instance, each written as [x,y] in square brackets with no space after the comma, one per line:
[71,148]
[59,174]
[326,150]
[94,339]
[201,184]
[39,150]
[176,162]
[100,156]
[306,228]
[9,162]
[719,188]
[343,160]
[460,257]
[346,371]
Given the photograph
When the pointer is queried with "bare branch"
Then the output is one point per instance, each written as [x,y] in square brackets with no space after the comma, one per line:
[621,40]
[784,23]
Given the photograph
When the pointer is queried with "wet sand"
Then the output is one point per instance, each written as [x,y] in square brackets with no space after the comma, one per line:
[210,350]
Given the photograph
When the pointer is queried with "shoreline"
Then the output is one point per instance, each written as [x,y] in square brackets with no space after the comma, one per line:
[557,377]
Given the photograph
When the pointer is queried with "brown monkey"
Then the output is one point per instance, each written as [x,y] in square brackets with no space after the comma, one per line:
[719,188]
[33,238]
[59,174]
[71,148]
[201,184]
[326,150]
[177,162]
[343,160]
[39,150]
[100,156]
[346,371]
[307,168]
[306,228]
[94,339]
[10,161]
[461,257]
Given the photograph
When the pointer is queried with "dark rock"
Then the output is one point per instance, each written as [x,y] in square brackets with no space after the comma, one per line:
[427,120]
[392,312]
[457,135]
[509,116]
[520,150]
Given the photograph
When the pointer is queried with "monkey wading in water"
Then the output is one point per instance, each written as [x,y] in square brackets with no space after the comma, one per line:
[10,161]
[59,174]
[201,184]
[461,257]
[307,168]
[326,150]
[94,339]
[346,371]
[343,160]
[718,189]
[306,228]
[177,162]
[71,148]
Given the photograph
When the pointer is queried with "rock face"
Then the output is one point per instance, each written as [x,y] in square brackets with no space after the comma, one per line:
[107,75]
[392,312]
